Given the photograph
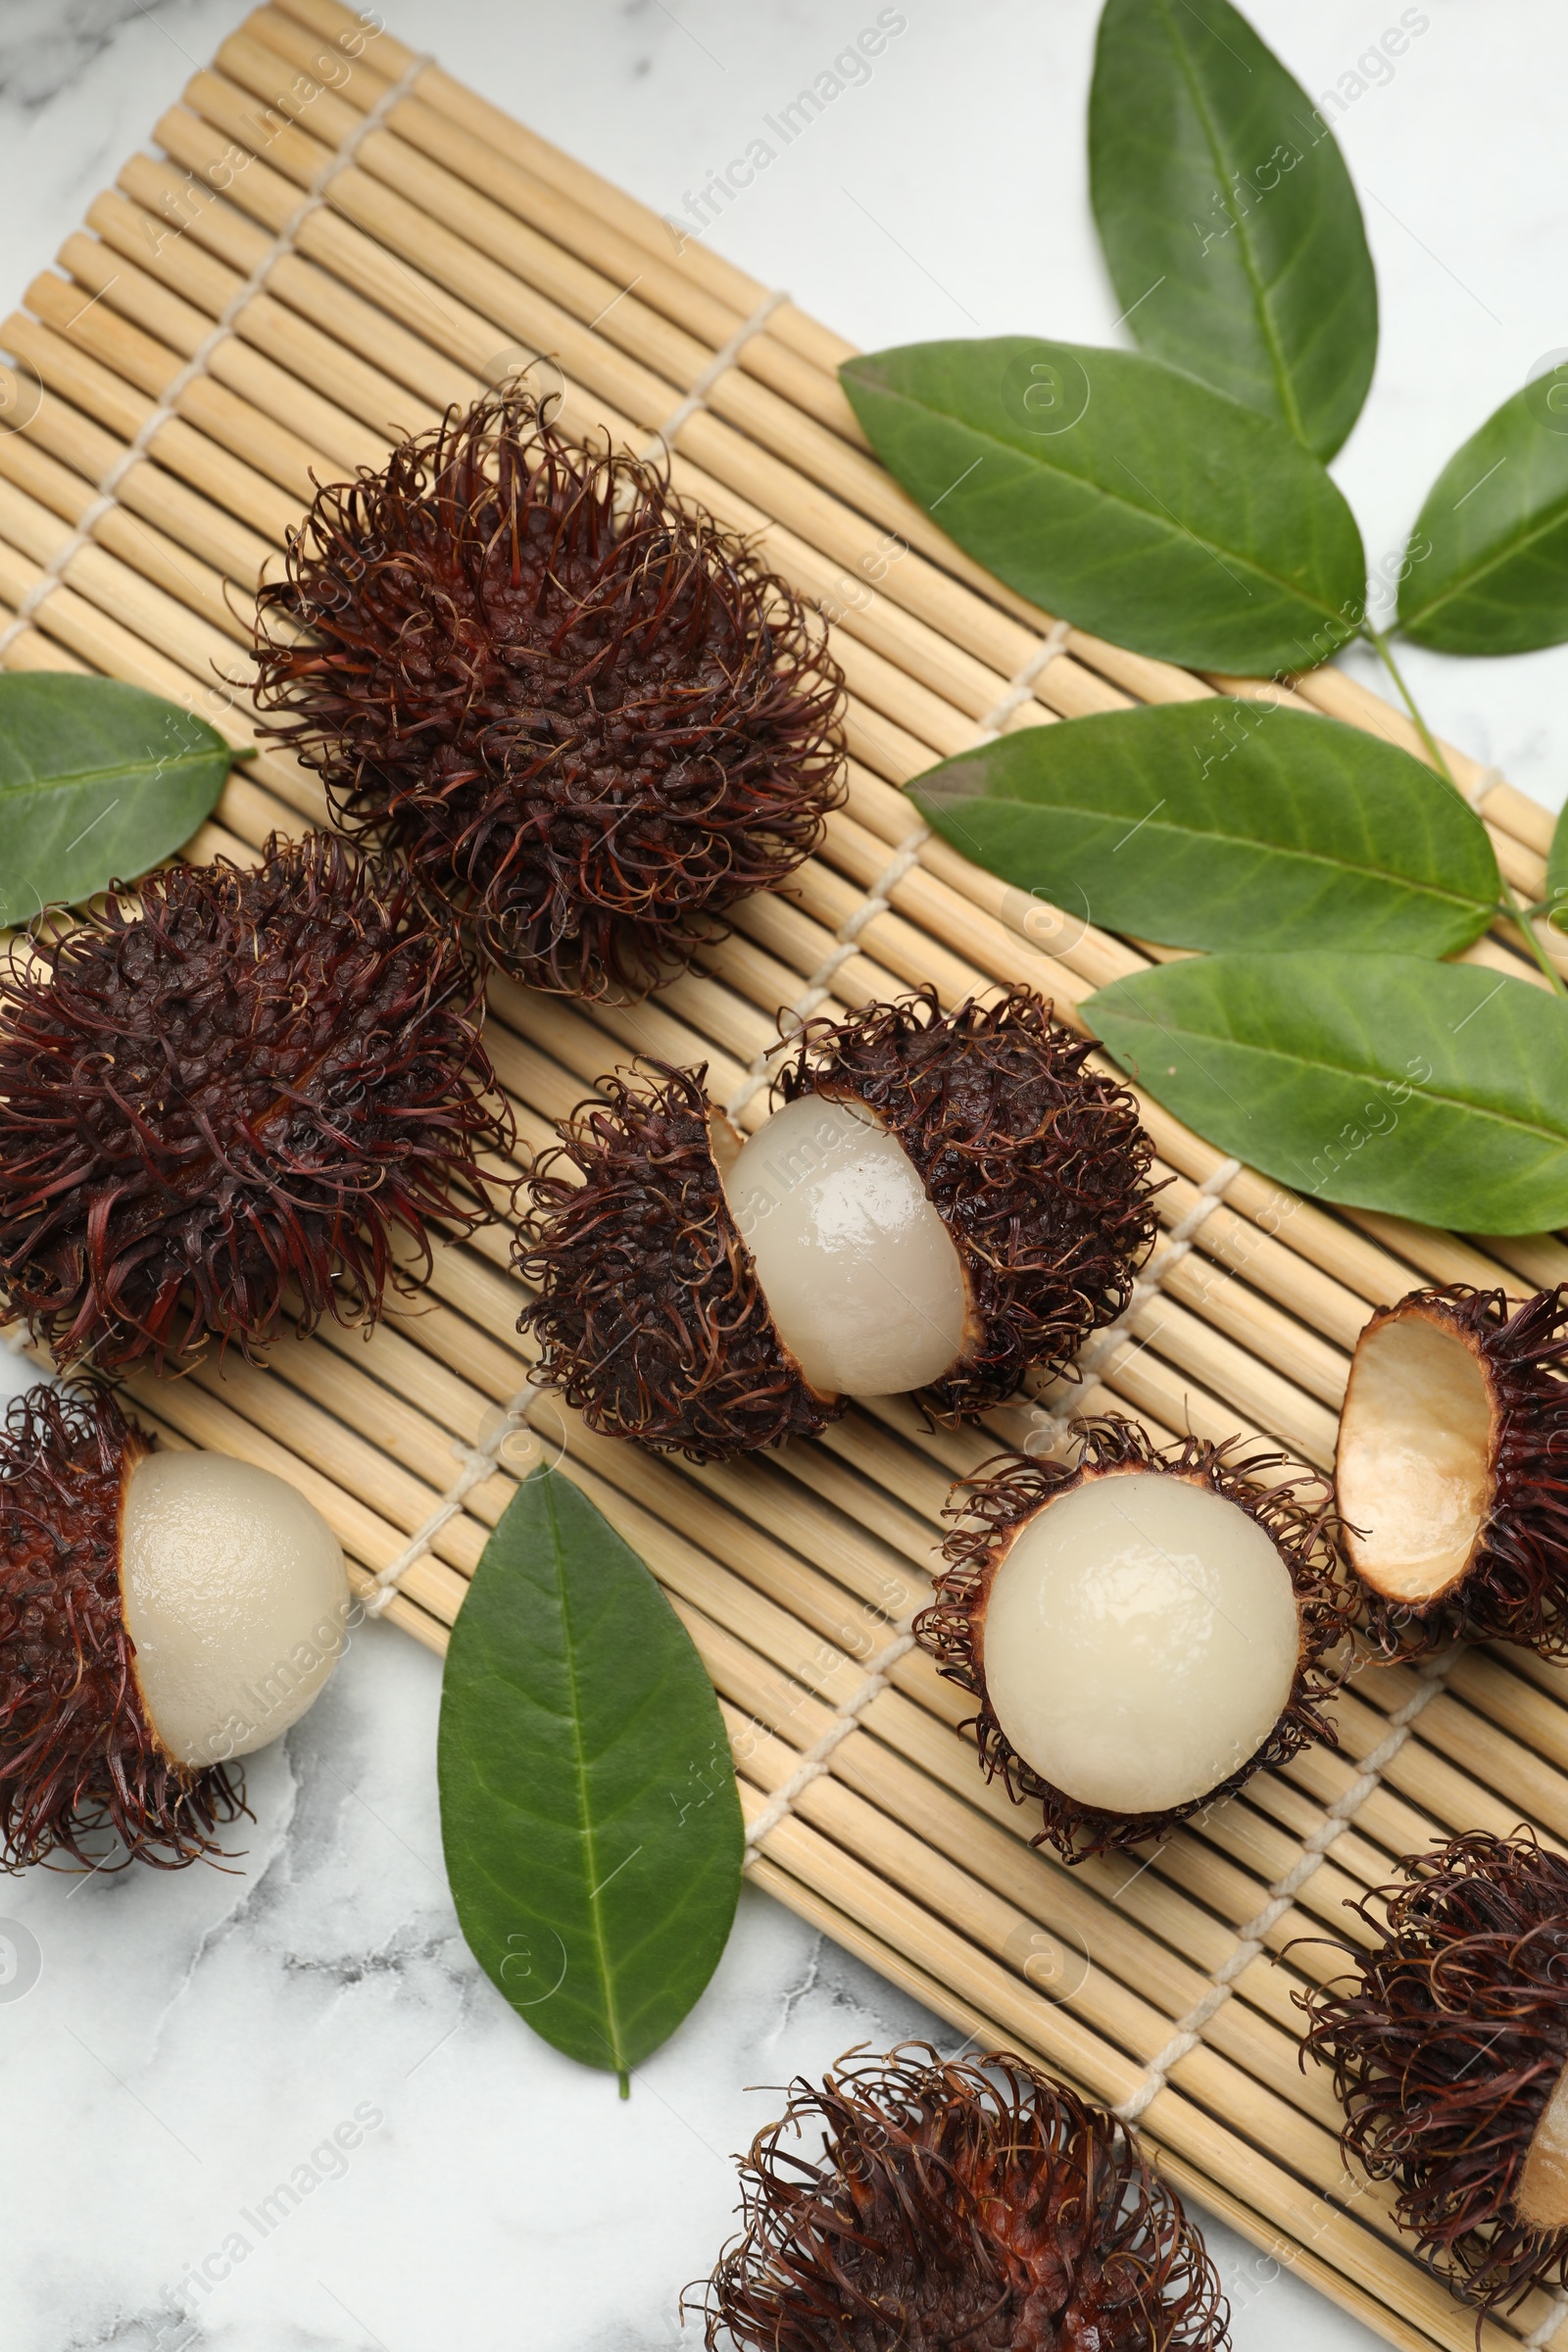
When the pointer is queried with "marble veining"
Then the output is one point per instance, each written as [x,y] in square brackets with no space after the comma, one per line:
[174,2068]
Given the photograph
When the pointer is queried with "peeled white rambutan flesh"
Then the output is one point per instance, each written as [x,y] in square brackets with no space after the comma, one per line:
[943,1203]
[161,1614]
[1144,1626]
[859,1273]
[1414,1470]
[1140,1641]
[235,1596]
[1450,1470]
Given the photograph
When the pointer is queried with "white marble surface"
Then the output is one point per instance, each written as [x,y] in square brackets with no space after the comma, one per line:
[190,2041]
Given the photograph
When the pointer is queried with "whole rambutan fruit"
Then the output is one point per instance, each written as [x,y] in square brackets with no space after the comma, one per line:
[229,1083]
[1144,1629]
[973,2204]
[1452,1470]
[159,1614]
[583,712]
[1448,2041]
[943,1201]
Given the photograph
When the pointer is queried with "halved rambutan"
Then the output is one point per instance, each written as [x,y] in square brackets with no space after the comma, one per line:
[1452,1470]
[227,1082]
[159,1614]
[582,710]
[1034,1162]
[649,1318]
[1448,2039]
[941,1203]
[1144,1629]
[976,2204]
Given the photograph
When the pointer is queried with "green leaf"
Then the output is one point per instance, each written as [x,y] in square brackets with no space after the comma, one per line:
[1556,889]
[1486,570]
[1106,486]
[1433,1091]
[1224,824]
[588,1804]
[98,782]
[1230,226]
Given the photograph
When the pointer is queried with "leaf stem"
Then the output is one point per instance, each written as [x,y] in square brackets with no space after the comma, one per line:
[1517,914]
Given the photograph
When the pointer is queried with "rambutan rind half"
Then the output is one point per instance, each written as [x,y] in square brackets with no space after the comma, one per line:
[1036,1164]
[1448,2041]
[231,1083]
[649,1318]
[582,710]
[1296,1516]
[913,2203]
[77,1752]
[1452,1470]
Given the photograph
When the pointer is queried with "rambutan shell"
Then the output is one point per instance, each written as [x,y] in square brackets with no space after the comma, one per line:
[976,2203]
[230,1088]
[1036,1164]
[1452,1470]
[649,1319]
[1447,2037]
[582,710]
[79,1754]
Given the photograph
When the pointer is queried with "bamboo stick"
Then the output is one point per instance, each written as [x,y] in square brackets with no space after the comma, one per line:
[576,227]
[649,1031]
[546,168]
[353,337]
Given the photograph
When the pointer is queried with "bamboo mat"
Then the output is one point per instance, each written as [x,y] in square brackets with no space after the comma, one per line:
[335,241]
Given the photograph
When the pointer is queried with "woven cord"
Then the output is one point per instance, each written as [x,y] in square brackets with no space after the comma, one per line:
[1181,1239]
[1543,2334]
[54,572]
[719,365]
[1251,1938]
[878,899]
[481,1462]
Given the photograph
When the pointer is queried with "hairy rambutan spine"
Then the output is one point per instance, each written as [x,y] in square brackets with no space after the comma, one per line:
[1036,1164]
[77,1755]
[1514,1584]
[975,2204]
[582,710]
[649,1319]
[231,1084]
[1447,2037]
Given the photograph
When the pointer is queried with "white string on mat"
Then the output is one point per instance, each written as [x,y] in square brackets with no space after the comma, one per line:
[479,1462]
[1251,1938]
[814,1762]
[905,857]
[1543,2334]
[719,365]
[1180,1240]
[167,408]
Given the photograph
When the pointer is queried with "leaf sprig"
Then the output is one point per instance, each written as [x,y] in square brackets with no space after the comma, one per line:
[1175,499]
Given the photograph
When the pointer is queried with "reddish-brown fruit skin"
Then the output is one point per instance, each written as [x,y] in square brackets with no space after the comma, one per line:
[228,1083]
[76,1753]
[1036,1164]
[976,2205]
[581,708]
[1298,1517]
[1516,1586]
[649,1318]
[1446,2039]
